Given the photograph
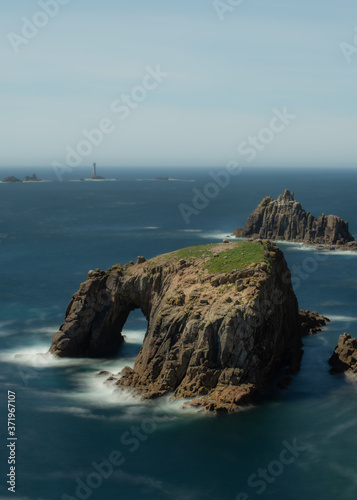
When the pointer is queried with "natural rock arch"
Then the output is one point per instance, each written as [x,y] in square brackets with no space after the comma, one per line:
[212,331]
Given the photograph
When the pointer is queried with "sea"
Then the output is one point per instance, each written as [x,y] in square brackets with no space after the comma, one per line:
[74,436]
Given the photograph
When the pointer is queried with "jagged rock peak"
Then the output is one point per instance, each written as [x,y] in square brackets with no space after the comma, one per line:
[222,319]
[287,196]
[285,219]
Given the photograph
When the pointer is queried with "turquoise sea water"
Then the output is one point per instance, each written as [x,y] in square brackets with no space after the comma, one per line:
[51,234]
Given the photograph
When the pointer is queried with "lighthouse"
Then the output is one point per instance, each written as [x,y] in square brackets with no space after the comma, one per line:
[95,176]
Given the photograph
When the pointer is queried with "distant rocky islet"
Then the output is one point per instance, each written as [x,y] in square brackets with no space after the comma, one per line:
[284,219]
[28,178]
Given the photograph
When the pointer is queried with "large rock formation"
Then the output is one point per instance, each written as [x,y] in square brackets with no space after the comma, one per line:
[221,320]
[344,357]
[285,219]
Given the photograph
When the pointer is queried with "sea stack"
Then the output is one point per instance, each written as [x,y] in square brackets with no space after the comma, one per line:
[32,178]
[11,178]
[285,219]
[222,319]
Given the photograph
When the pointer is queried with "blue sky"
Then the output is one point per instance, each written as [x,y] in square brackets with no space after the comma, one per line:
[225,78]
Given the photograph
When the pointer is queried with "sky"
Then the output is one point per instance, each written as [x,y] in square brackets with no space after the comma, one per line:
[171,83]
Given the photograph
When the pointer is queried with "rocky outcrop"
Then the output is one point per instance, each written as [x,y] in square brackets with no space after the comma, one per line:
[344,357]
[221,320]
[311,322]
[285,219]
[11,178]
[32,178]
[28,178]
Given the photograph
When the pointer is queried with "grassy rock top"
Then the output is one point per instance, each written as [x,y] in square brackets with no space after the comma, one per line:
[218,258]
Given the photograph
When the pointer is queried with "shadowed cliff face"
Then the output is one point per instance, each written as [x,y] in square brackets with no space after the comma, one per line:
[221,320]
[285,219]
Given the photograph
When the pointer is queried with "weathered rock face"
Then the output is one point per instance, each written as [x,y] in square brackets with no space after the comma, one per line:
[344,357]
[311,322]
[221,320]
[285,219]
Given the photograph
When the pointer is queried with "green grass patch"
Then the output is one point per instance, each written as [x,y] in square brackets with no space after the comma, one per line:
[199,252]
[245,253]
[241,255]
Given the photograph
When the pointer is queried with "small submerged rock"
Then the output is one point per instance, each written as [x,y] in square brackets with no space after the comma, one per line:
[103,373]
[311,322]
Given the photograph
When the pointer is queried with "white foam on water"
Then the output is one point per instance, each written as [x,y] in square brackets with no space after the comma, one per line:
[190,230]
[37,356]
[182,180]
[93,391]
[218,235]
[151,227]
[340,429]
[334,317]
[352,379]
[47,331]
[134,336]
[341,252]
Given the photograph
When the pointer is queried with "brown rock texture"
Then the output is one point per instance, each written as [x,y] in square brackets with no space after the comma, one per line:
[221,318]
[344,357]
[285,219]
[311,322]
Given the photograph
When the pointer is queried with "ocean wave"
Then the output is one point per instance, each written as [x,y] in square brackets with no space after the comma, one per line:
[4,328]
[334,317]
[190,230]
[47,331]
[151,227]
[38,357]
[134,336]
[217,235]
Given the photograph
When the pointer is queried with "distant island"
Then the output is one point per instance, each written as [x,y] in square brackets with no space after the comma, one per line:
[28,178]
[284,219]
[32,178]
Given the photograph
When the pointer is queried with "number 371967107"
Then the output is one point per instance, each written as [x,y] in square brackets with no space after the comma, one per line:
[11,408]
